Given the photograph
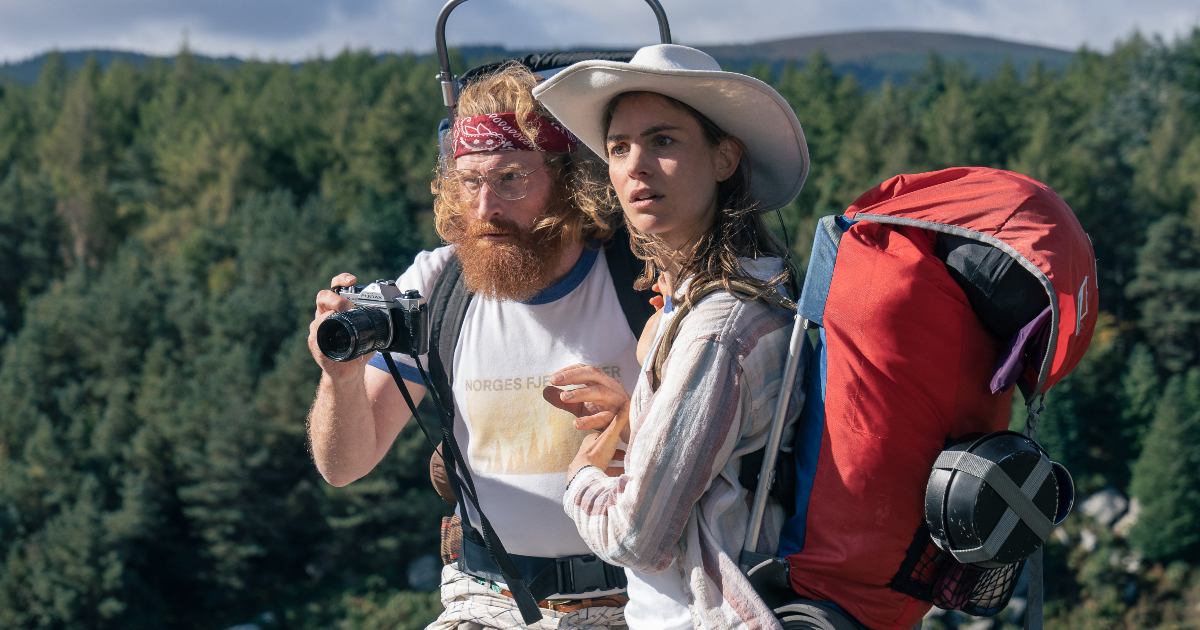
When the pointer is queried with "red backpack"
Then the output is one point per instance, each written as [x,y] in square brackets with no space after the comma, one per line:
[906,363]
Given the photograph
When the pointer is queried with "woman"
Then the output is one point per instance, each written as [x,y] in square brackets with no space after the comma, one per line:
[682,140]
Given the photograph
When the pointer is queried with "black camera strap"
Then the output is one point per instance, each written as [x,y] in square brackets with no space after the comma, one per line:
[530,613]
[387,358]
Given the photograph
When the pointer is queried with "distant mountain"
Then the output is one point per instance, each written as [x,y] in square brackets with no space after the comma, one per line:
[871,56]
[27,71]
[875,56]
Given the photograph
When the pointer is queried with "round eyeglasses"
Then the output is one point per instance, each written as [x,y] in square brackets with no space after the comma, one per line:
[508,182]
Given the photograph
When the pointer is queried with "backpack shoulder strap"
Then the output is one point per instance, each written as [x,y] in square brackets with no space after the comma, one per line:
[624,268]
[448,304]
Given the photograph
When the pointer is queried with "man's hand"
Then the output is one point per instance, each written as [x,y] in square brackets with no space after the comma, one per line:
[328,303]
[357,412]
[602,403]
[596,404]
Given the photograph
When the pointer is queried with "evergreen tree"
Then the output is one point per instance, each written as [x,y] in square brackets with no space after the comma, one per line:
[1140,394]
[31,243]
[948,123]
[1081,427]
[1166,478]
[16,124]
[1167,288]
[75,156]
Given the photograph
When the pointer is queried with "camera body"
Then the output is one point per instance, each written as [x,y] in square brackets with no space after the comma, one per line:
[384,318]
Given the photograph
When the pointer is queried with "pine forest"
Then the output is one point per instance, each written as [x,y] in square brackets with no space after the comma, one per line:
[164,228]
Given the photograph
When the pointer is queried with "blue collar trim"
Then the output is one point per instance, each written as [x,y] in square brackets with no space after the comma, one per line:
[561,288]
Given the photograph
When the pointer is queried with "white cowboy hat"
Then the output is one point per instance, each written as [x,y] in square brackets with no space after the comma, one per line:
[743,106]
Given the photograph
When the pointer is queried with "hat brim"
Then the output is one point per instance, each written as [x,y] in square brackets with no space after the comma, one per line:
[742,106]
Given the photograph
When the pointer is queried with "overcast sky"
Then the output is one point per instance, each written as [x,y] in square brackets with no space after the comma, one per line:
[297,29]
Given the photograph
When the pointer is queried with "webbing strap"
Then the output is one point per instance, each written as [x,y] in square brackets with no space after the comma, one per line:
[1036,565]
[1033,598]
[568,575]
[448,302]
[624,269]
[1019,500]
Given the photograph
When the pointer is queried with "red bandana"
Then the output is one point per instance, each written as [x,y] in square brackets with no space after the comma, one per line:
[499,132]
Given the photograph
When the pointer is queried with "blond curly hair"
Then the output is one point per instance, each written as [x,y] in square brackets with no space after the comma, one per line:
[583,205]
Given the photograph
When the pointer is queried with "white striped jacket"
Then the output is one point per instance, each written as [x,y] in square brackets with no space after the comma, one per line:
[679,499]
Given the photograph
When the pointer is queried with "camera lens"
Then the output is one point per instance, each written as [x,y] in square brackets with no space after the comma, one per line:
[353,333]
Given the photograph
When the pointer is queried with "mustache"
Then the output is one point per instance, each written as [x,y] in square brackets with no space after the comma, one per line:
[494,227]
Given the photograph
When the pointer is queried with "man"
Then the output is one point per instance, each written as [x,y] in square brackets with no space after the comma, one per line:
[520,210]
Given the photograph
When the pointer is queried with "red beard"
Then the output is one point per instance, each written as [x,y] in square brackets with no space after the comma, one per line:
[516,270]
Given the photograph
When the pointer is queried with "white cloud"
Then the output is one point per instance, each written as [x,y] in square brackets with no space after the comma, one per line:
[295,29]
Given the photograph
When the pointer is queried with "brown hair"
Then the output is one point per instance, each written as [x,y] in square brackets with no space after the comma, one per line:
[583,205]
[738,230]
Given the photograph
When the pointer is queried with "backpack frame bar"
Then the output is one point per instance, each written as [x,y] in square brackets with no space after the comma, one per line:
[447,78]
[766,474]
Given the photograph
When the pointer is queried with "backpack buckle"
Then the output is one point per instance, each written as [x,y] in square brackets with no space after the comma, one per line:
[581,574]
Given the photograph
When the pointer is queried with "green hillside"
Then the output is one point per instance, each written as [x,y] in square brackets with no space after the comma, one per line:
[164,227]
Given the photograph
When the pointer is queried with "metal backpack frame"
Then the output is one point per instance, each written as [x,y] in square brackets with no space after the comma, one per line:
[451,85]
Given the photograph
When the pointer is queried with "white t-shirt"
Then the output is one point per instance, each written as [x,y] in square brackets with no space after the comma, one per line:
[517,445]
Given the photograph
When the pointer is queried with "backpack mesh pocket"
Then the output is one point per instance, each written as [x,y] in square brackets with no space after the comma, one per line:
[975,591]
[932,575]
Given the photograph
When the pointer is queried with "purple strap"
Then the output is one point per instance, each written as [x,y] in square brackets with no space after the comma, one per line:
[1029,344]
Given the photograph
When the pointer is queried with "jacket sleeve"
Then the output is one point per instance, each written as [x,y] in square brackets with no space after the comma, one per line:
[683,438]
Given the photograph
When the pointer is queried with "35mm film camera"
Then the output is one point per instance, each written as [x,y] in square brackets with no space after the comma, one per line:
[384,318]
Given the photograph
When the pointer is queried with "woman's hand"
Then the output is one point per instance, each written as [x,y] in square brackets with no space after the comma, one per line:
[599,450]
[602,403]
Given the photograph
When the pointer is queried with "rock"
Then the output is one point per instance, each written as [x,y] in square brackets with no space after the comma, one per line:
[1105,506]
[424,573]
[1132,562]
[1087,540]
[1016,610]
[1126,523]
